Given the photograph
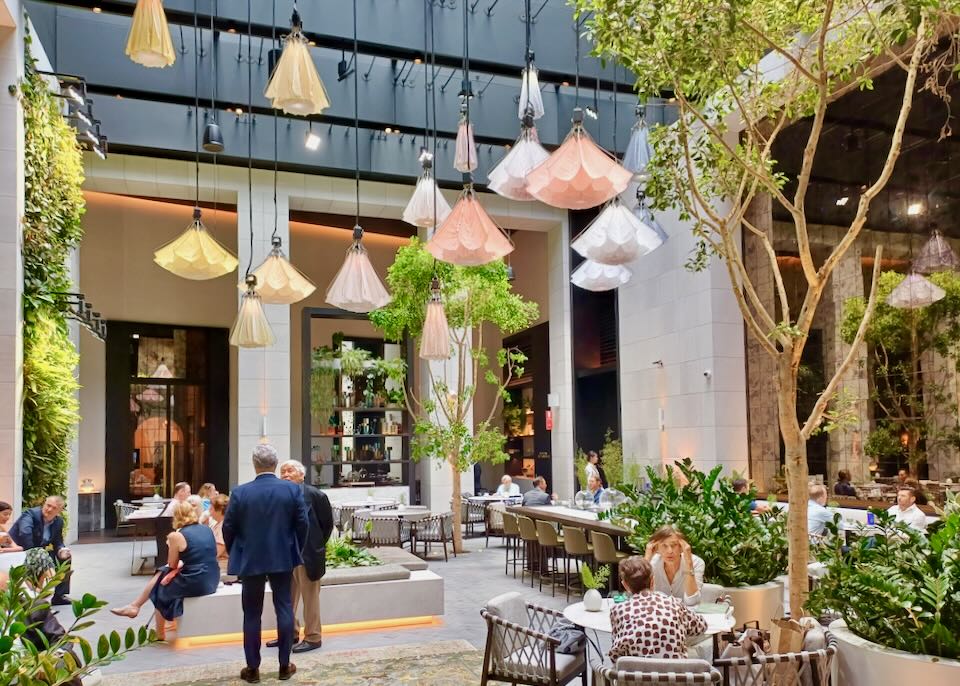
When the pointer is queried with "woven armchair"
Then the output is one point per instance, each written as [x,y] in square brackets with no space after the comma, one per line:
[123,510]
[519,649]
[494,520]
[471,514]
[434,529]
[805,668]
[358,523]
[643,670]
[388,531]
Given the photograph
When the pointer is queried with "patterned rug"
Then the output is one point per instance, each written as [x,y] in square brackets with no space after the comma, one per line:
[443,663]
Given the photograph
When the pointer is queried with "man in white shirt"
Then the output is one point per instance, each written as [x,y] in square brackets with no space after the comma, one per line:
[906,509]
[507,487]
[817,513]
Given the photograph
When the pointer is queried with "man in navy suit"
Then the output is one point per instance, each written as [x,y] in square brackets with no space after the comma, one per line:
[42,527]
[264,531]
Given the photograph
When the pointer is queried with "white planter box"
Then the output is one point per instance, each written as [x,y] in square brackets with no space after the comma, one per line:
[761,603]
[860,662]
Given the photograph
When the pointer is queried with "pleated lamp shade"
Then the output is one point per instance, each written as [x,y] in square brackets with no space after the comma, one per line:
[295,86]
[356,287]
[435,338]
[579,174]
[637,156]
[278,281]
[593,276]
[509,177]
[616,236]
[148,42]
[425,201]
[530,96]
[465,159]
[913,292]
[936,256]
[469,237]
[251,329]
[645,215]
[195,254]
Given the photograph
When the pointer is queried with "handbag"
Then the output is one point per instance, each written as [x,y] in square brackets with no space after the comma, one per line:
[571,637]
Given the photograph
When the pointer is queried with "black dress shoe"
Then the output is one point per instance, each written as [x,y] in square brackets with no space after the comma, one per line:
[306,646]
[250,674]
[60,600]
[274,643]
[287,672]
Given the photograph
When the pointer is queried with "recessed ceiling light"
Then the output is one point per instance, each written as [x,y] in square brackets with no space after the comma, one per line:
[388,130]
[231,30]
[914,208]
[842,201]
[312,141]
[119,97]
[239,111]
[312,43]
[417,60]
[97,10]
[506,146]
[564,83]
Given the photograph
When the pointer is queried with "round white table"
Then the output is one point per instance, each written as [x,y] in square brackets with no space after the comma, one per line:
[600,621]
[8,560]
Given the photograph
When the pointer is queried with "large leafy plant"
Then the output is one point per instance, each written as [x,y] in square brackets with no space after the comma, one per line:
[341,552]
[899,589]
[738,548]
[38,662]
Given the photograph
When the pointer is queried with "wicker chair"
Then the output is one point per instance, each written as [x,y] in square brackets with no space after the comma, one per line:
[471,514]
[493,516]
[518,649]
[809,667]
[644,670]
[346,516]
[434,529]
[122,511]
[388,531]
[359,524]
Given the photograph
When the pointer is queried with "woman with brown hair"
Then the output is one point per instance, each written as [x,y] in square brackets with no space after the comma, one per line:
[650,623]
[191,570]
[218,512]
[676,570]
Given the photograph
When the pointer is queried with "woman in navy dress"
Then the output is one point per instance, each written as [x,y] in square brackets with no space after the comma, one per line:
[191,571]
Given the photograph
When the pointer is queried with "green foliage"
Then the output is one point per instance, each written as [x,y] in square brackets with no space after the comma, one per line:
[882,444]
[611,459]
[26,664]
[899,589]
[341,552]
[596,580]
[354,361]
[53,207]
[323,374]
[737,548]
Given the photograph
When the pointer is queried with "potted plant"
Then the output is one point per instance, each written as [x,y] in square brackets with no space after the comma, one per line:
[323,391]
[898,596]
[353,363]
[593,582]
[743,554]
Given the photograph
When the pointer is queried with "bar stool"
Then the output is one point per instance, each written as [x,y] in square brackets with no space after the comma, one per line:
[606,553]
[577,549]
[551,543]
[511,536]
[528,534]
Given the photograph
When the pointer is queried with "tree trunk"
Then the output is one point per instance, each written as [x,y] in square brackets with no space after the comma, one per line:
[455,504]
[795,448]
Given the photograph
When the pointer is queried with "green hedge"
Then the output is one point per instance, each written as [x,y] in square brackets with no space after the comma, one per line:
[53,207]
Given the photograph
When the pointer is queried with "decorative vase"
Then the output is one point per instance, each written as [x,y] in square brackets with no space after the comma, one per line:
[401,507]
[592,600]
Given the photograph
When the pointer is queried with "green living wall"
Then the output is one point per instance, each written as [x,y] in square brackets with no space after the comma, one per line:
[53,206]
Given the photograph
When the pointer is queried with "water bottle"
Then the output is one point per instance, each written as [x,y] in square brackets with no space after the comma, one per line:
[871,519]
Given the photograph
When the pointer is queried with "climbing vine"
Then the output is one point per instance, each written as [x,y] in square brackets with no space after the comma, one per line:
[53,207]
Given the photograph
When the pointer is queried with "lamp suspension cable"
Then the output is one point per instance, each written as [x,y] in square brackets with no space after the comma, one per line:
[196,102]
[576,82]
[468,89]
[616,63]
[213,66]
[528,55]
[426,76]
[433,105]
[250,130]
[356,117]
[273,47]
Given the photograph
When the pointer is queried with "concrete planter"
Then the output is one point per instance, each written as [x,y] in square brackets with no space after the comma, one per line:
[763,602]
[860,662]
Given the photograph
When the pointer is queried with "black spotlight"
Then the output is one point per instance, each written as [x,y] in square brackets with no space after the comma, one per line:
[212,137]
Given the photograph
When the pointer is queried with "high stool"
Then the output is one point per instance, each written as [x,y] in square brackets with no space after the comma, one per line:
[606,553]
[511,536]
[551,543]
[528,534]
[577,549]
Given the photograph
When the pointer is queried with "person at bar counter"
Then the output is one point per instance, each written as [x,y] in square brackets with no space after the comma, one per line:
[538,494]
[507,487]
[906,510]
[650,623]
[676,570]
[843,485]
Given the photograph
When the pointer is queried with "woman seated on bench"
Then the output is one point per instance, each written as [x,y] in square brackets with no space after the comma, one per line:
[191,570]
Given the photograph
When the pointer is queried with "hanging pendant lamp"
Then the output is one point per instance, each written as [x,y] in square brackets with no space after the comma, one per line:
[251,329]
[530,97]
[426,198]
[616,236]
[356,287]
[465,160]
[435,338]
[579,174]
[295,86]
[644,214]
[913,292]
[195,254]
[509,177]
[936,256]
[278,281]
[636,158]
[148,42]
[593,276]
[469,237]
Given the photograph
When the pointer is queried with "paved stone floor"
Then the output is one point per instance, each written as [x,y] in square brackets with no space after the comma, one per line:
[469,581]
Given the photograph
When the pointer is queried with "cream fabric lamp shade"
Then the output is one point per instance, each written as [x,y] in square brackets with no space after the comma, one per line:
[509,177]
[913,292]
[356,287]
[148,42]
[465,160]
[251,329]
[435,338]
[278,281]
[616,236]
[426,199]
[469,237]
[593,276]
[636,157]
[530,96]
[195,254]
[295,86]
[936,256]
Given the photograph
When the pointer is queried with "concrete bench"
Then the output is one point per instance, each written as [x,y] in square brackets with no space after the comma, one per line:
[364,575]
[399,556]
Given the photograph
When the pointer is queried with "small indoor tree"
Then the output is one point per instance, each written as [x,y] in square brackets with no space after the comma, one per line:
[739,72]
[447,426]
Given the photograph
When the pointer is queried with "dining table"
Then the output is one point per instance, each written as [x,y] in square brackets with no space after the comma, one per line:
[148,521]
